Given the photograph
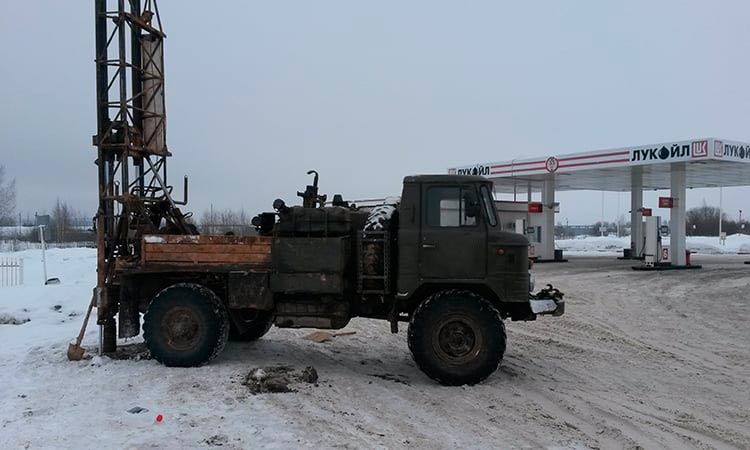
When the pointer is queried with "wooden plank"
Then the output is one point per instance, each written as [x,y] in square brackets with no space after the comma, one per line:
[204,239]
[208,248]
[208,258]
[176,267]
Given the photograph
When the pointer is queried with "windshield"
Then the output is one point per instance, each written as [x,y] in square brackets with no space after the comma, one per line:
[489,205]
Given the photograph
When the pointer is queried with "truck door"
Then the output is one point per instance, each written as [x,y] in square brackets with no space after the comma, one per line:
[453,241]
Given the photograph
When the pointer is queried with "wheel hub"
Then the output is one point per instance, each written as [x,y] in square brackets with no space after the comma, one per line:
[457,340]
[182,328]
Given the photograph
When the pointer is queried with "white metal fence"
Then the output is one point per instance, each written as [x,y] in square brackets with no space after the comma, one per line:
[11,271]
[17,246]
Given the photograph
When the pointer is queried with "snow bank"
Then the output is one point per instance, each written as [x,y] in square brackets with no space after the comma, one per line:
[15,231]
[610,245]
[593,244]
[735,243]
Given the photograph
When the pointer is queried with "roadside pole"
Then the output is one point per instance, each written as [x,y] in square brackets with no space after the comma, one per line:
[721,211]
[44,251]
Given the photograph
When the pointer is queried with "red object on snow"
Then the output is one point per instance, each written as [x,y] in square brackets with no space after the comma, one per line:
[159,418]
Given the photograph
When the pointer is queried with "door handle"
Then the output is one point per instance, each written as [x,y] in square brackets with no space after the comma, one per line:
[428,246]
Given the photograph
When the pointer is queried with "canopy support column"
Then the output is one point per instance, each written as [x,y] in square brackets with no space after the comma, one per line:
[677,214]
[636,212]
[547,250]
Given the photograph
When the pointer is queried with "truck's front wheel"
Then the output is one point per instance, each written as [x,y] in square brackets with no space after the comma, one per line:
[185,325]
[457,337]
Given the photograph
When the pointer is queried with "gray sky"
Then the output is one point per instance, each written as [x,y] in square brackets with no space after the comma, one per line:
[367,92]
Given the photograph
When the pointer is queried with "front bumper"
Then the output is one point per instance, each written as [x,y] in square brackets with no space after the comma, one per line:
[548,301]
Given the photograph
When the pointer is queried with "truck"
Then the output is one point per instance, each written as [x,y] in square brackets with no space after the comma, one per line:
[434,258]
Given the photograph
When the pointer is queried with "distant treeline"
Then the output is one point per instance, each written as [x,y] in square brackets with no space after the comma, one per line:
[704,221]
[66,224]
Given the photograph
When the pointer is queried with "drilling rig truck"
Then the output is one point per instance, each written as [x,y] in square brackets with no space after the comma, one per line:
[434,258]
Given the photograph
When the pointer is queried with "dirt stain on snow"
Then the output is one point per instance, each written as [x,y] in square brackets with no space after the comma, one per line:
[392,377]
[7,319]
[136,352]
[217,440]
[278,379]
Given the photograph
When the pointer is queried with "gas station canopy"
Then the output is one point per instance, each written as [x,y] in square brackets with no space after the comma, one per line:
[709,162]
[677,165]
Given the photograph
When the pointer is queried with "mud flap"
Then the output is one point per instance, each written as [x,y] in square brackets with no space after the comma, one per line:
[129,317]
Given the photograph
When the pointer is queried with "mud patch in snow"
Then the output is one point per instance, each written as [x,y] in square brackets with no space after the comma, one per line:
[7,319]
[277,379]
[217,440]
[392,377]
[136,352]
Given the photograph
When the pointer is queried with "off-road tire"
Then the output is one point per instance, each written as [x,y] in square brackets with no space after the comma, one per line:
[379,218]
[457,337]
[185,325]
[255,329]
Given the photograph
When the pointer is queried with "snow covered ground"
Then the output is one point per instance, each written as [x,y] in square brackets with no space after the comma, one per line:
[611,245]
[650,360]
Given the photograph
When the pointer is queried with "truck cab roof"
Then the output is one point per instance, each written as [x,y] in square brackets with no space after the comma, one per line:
[445,178]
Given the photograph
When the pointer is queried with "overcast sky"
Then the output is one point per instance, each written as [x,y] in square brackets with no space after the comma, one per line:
[367,92]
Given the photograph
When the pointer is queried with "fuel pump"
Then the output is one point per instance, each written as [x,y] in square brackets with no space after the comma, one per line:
[652,250]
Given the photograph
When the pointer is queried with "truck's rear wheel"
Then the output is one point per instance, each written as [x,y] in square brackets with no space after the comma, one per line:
[185,325]
[255,327]
[457,337]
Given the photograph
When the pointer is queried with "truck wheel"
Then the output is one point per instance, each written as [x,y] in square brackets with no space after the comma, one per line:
[185,325]
[457,337]
[255,328]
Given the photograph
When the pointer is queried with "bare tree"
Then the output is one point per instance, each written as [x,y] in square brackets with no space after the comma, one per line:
[61,220]
[7,196]
[225,221]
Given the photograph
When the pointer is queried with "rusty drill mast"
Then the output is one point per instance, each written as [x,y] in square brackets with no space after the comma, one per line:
[134,197]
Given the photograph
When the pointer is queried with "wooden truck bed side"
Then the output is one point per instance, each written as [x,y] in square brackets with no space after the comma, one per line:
[205,253]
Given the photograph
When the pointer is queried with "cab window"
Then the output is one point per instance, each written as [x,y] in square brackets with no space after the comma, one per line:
[451,207]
